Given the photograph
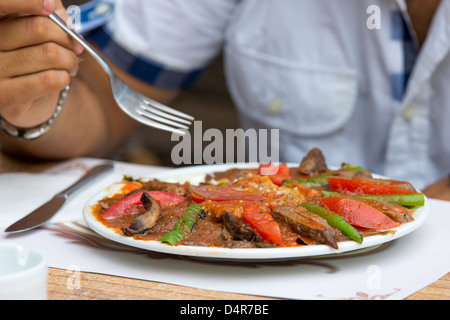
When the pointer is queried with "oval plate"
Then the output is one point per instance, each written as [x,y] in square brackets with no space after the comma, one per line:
[195,175]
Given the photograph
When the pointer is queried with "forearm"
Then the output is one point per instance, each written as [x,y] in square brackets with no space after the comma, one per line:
[439,190]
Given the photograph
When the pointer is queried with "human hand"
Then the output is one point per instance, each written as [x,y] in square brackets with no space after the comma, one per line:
[37,60]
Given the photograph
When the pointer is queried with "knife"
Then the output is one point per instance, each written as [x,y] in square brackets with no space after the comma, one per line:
[50,208]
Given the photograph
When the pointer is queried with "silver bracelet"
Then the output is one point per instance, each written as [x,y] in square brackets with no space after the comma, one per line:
[29,134]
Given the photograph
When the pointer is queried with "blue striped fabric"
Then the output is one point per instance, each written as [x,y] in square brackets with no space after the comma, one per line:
[143,68]
[400,32]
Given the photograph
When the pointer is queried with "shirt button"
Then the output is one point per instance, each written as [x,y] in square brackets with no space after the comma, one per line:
[409,112]
[275,106]
[102,9]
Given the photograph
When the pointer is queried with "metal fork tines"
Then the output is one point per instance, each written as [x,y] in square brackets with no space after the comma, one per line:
[154,110]
[134,104]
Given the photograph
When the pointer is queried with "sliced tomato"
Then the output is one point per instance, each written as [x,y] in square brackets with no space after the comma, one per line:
[166,199]
[130,205]
[357,187]
[282,172]
[223,193]
[263,223]
[359,214]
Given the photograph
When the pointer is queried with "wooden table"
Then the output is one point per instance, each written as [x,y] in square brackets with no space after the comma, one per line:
[105,287]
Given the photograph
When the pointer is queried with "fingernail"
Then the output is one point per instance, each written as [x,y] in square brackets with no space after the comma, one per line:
[79,49]
[49,6]
[73,73]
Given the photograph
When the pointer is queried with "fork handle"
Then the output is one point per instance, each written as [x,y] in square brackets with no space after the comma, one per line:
[59,21]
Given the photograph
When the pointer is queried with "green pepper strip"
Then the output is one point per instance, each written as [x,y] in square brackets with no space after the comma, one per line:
[320,180]
[352,167]
[184,226]
[334,220]
[406,200]
[131,179]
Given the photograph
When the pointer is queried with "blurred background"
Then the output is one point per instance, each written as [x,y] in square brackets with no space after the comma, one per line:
[208,101]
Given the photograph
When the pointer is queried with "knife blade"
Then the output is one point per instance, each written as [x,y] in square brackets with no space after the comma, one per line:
[50,208]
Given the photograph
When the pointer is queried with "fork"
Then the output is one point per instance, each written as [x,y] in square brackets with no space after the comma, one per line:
[134,104]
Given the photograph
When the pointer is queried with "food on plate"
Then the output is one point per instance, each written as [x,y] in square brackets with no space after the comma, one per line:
[304,205]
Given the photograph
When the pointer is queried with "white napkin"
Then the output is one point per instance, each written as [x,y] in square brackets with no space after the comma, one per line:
[21,193]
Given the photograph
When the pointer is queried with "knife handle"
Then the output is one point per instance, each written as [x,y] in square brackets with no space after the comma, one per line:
[90,175]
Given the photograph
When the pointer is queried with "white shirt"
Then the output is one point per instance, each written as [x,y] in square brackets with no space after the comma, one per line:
[313,69]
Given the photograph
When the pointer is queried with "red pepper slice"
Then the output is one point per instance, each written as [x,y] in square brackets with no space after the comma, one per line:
[130,205]
[282,172]
[223,193]
[359,214]
[358,187]
[166,199]
[263,223]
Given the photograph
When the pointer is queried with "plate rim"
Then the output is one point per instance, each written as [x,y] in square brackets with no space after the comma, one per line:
[247,254]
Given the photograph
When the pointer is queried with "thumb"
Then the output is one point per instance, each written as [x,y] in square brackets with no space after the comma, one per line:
[32,7]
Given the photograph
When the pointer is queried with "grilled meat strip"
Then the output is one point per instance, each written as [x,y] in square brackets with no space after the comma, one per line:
[239,229]
[313,163]
[177,188]
[308,224]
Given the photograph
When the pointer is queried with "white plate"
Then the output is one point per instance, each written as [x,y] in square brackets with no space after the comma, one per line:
[195,175]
